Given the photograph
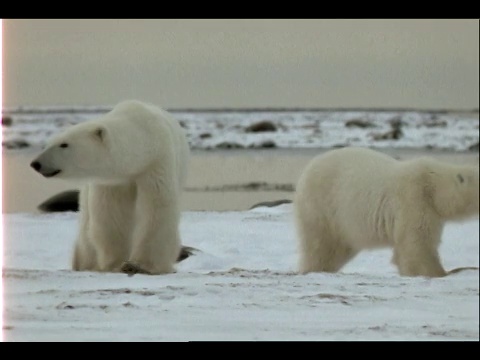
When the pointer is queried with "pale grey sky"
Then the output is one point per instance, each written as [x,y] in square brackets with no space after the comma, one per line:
[243,63]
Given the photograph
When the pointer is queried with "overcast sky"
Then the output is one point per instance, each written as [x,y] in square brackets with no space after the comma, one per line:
[243,63]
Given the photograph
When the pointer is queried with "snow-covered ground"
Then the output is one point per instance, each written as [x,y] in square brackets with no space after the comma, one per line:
[241,286]
[31,127]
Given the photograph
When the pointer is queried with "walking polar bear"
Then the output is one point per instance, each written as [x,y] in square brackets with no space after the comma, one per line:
[133,161]
[352,199]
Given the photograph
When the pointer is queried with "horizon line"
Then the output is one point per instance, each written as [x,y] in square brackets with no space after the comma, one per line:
[97,108]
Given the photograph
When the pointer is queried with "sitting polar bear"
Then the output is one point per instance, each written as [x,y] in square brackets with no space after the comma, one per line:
[133,161]
[352,199]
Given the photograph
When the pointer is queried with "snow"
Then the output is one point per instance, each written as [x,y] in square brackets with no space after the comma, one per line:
[293,128]
[241,285]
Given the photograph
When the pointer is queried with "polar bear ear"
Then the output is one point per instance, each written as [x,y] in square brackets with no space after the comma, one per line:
[100,132]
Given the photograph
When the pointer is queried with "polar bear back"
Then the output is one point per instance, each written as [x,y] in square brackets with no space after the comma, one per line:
[349,187]
[360,193]
[135,122]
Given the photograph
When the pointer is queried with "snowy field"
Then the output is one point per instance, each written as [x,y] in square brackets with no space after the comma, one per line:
[242,285]
[32,127]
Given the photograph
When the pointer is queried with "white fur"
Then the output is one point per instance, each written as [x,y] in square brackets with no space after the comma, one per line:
[352,199]
[134,162]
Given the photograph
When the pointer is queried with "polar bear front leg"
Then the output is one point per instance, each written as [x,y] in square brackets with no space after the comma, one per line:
[416,253]
[84,255]
[155,239]
[111,224]
[419,262]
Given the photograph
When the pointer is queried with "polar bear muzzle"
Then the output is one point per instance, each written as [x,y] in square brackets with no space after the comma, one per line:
[44,170]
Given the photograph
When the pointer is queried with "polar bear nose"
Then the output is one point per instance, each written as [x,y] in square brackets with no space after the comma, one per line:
[36,165]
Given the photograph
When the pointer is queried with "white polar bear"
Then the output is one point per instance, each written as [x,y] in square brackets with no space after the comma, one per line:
[352,199]
[133,161]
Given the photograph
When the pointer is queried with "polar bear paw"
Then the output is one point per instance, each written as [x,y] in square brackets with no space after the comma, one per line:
[131,269]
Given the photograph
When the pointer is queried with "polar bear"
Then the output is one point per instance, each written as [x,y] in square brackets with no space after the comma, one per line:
[132,162]
[352,199]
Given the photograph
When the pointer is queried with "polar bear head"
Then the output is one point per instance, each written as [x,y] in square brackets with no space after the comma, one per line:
[132,141]
[107,152]
[455,190]
[81,152]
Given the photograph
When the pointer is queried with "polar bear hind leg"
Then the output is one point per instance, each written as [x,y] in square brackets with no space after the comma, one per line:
[320,251]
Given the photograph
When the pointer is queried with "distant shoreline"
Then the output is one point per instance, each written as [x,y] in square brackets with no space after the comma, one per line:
[272,128]
[98,109]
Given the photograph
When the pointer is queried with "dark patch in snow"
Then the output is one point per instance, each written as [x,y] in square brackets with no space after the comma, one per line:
[6,121]
[359,123]
[205,136]
[229,145]
[15,144]
[268,144]
[64,201]
[261,126]
[474,147]
[271,203]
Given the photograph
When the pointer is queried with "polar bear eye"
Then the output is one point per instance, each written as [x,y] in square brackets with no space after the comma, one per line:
[63,145]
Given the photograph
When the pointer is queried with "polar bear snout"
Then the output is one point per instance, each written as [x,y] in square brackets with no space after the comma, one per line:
[44,170]
[36,165]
